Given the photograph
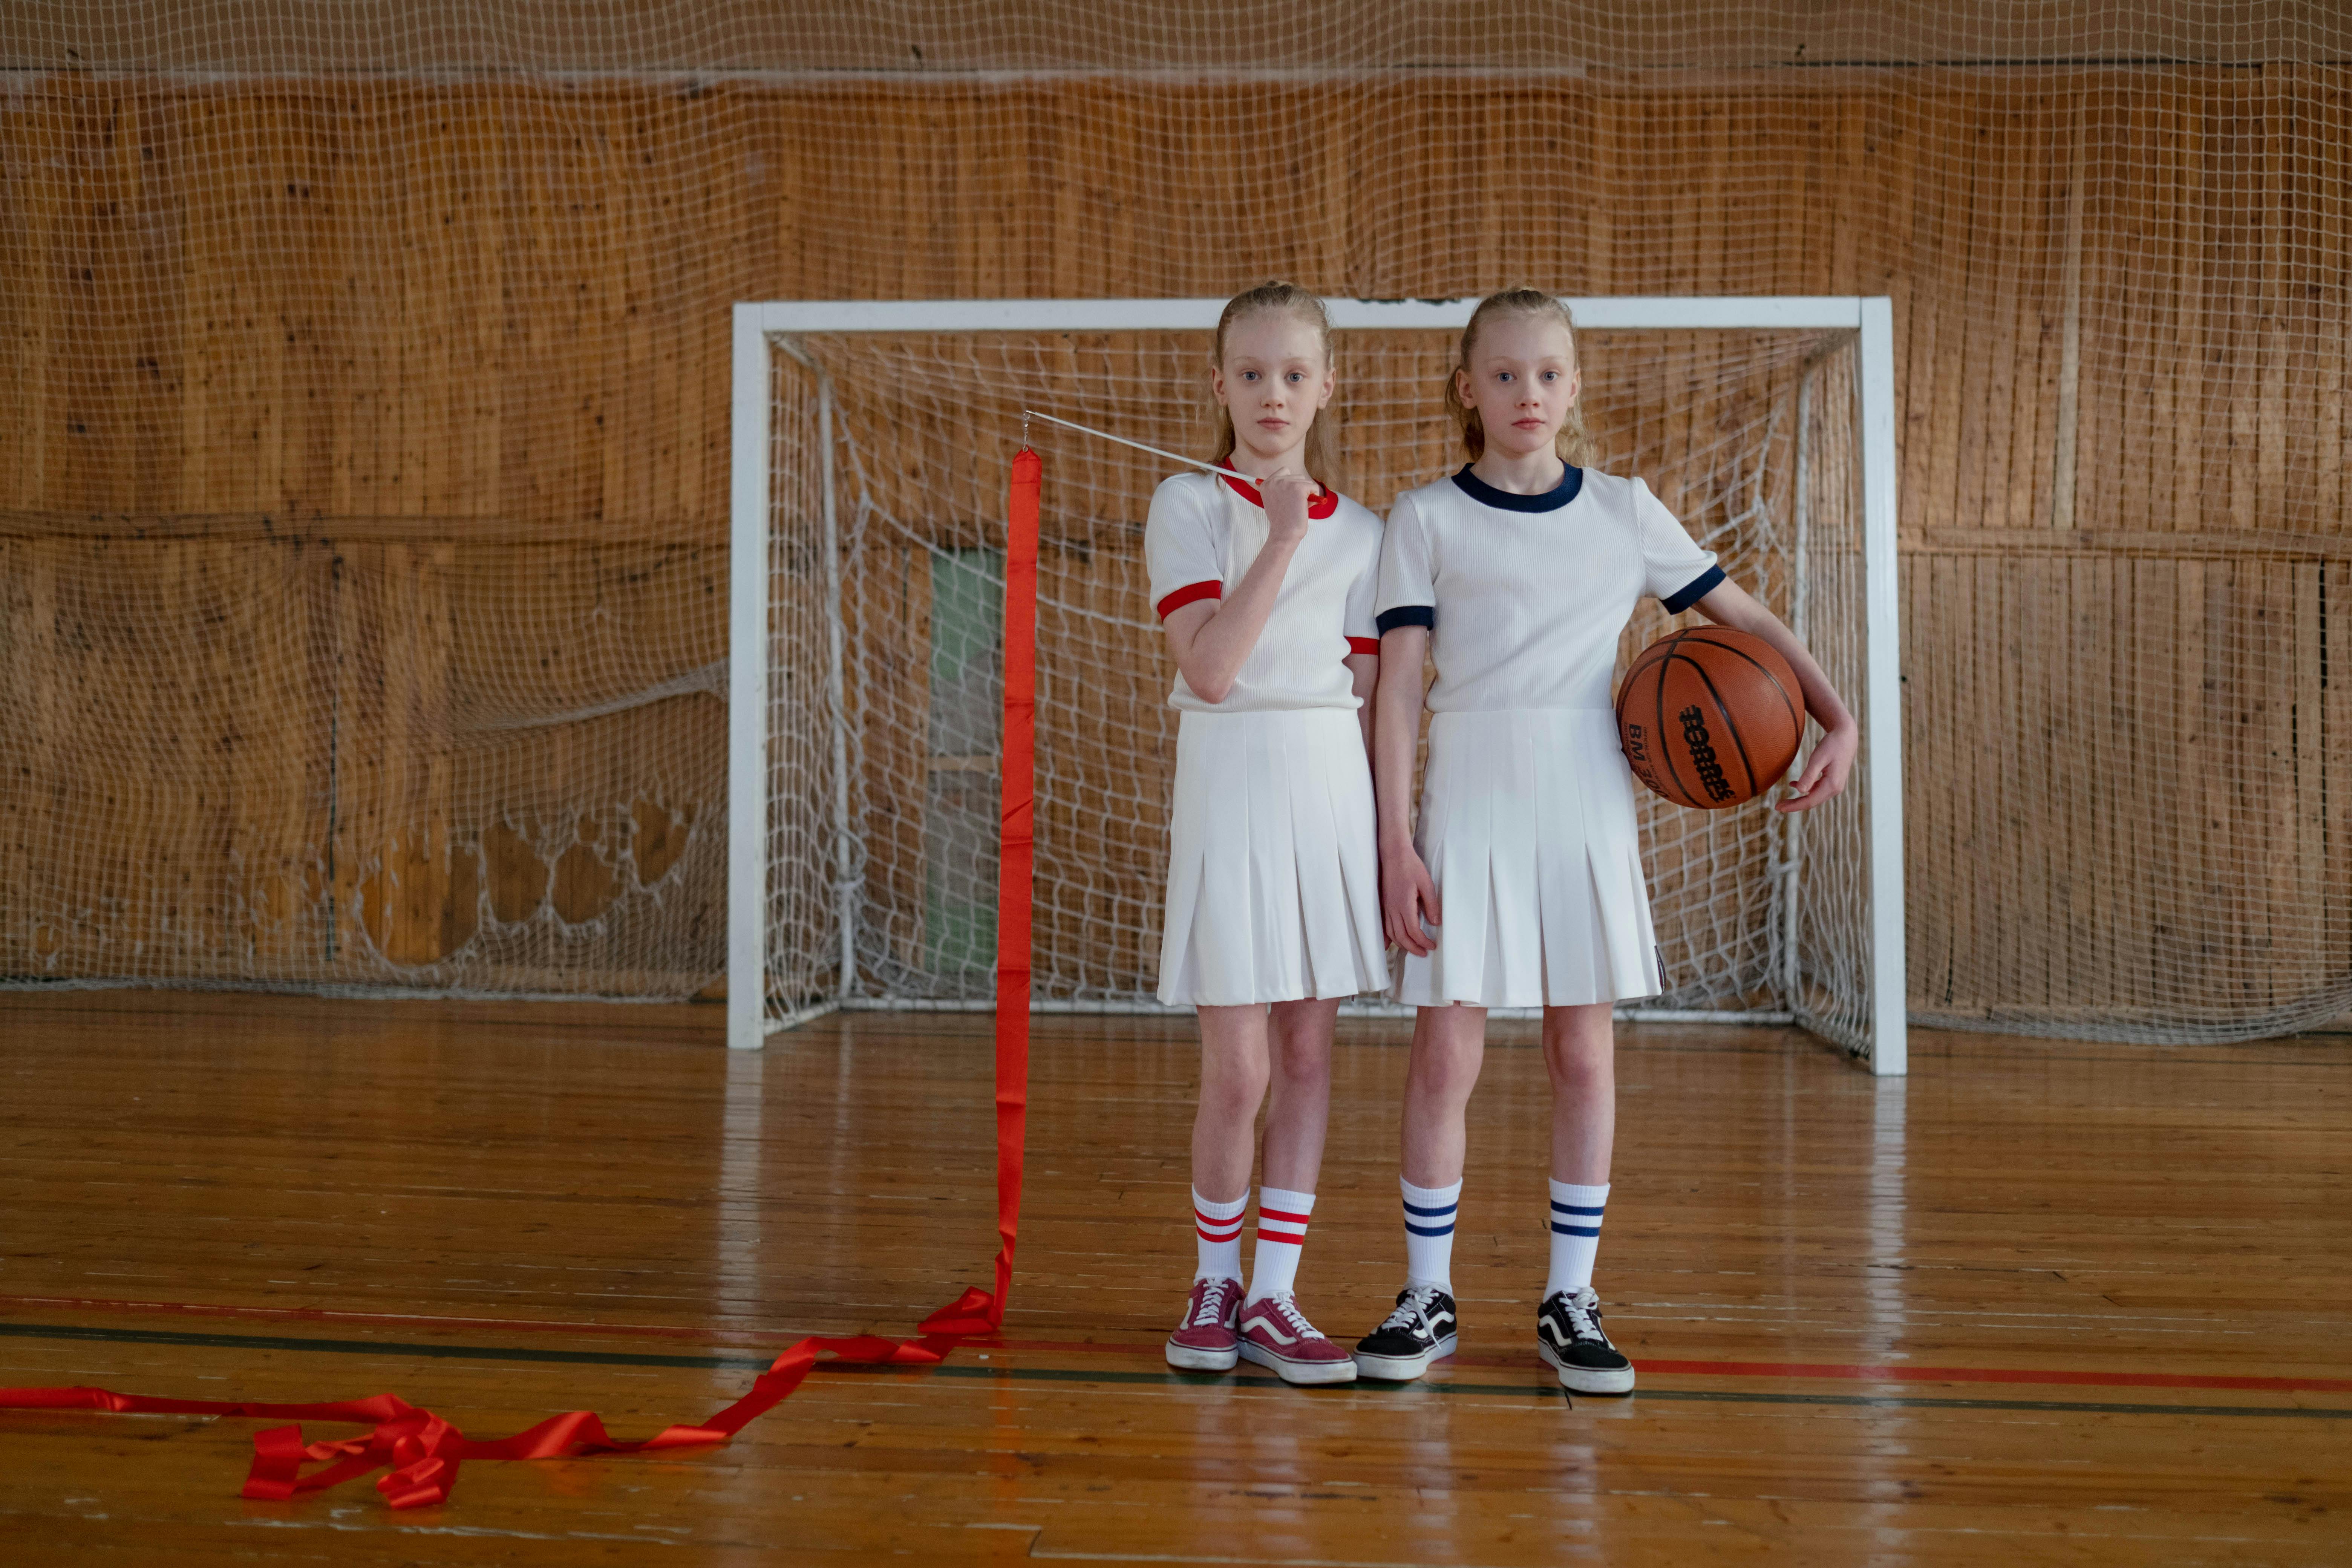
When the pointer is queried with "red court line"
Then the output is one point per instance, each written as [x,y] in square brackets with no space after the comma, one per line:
[1801,1369]
[1990,1374]
[1792,1371]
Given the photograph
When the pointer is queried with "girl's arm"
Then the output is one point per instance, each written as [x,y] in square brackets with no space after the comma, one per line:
[1213,638]
[1363,675]
[1729,604]
[1407,894]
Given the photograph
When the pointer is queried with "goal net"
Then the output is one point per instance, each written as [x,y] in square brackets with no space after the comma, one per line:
[882,455]
[364,465]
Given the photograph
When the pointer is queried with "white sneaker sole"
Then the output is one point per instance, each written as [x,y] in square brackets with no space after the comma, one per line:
[1301,1372]
[1186,1358]
[1404,1368]
[1585,1379]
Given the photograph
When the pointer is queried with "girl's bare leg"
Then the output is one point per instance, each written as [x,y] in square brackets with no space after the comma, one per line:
[1449,1045]
[1581,1052]
[1233,1084]
[1299,1107]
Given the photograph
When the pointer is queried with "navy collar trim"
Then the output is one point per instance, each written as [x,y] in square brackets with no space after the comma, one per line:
[1552,499]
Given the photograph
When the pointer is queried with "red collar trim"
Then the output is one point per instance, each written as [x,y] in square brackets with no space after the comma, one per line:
[1325,501]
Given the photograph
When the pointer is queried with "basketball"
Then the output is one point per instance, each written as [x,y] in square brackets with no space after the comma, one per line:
[1710,717]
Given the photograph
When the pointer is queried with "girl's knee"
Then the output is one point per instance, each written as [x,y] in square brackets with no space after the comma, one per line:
[1584,1051]
[1293,1079]
[1445,1070]
[1302,1063]
[1231,1088]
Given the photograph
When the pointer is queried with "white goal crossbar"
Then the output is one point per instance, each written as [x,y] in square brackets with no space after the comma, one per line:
[757,325]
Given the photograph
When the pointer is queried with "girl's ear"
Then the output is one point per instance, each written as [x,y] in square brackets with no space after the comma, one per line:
[1462,388]
[1330,384]
[1575,384]
[1217,384]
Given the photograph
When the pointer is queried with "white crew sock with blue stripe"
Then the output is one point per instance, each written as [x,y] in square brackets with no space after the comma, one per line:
[1575,1234]
[1428,1233]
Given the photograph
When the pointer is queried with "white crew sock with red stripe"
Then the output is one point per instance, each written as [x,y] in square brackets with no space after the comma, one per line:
[1281,1232]
[1219,1227]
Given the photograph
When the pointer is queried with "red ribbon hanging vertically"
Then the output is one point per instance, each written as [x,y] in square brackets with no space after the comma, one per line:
[979,1311]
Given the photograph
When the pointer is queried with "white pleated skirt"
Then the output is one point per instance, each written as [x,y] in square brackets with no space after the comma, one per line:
[1274,887]
[1527,827]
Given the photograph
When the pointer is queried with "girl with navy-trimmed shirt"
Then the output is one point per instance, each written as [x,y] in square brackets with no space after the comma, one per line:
[1521,884]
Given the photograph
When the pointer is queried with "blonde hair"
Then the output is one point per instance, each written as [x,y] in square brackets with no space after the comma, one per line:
[1575,443]
[1322,454]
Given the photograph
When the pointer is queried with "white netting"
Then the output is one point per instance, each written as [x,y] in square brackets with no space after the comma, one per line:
[439,291]
[309,761]
[924,428]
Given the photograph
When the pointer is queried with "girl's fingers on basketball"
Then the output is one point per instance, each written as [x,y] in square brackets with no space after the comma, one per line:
[1824,780]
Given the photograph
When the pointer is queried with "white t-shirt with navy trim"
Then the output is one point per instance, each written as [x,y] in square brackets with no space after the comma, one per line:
[1527,596]
[1203,534]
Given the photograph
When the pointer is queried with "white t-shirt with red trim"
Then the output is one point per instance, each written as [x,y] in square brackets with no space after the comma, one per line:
[1202,535]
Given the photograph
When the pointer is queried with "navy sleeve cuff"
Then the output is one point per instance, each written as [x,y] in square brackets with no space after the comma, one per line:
[1706,582]
[1412,616]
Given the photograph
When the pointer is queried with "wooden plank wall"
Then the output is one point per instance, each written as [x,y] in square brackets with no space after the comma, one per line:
[429,322]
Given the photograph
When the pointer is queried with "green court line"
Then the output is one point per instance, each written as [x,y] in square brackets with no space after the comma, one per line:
[1544,1389]
[371,1347]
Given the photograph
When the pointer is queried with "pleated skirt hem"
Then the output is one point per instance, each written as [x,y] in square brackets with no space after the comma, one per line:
[1527,830]
[1274,889]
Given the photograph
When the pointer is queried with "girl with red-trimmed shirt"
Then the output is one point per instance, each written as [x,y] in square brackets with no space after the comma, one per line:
[1265,589]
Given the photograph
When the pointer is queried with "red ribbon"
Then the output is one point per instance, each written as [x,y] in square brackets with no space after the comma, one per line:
[423,1451]
[979,1311]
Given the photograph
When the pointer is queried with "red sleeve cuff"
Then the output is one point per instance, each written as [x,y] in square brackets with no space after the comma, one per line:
[1364,645]
[1191,592]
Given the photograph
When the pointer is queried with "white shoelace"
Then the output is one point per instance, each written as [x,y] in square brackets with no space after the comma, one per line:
[1213,1305]
[1413,1304]
[1583,1314]
[1291,1316]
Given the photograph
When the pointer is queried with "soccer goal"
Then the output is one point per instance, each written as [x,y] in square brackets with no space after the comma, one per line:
[871,446]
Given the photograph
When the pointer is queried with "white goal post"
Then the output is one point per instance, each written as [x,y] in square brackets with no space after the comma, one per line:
[765,330]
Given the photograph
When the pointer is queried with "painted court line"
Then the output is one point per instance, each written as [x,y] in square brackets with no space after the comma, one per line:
[1544,1388]
[778,1338]
[374,1347]
[1827,1370]
[1996,1374]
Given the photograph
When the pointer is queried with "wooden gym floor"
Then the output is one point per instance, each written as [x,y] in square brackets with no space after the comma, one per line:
[2044,1303]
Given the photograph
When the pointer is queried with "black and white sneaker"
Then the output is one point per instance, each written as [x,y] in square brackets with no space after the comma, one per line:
[1419,1332]
[1569,1338]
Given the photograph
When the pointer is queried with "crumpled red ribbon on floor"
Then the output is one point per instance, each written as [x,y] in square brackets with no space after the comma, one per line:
[423,1451]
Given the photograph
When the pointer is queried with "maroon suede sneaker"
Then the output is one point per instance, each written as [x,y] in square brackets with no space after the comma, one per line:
[1275,1334]
[1204,1339]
